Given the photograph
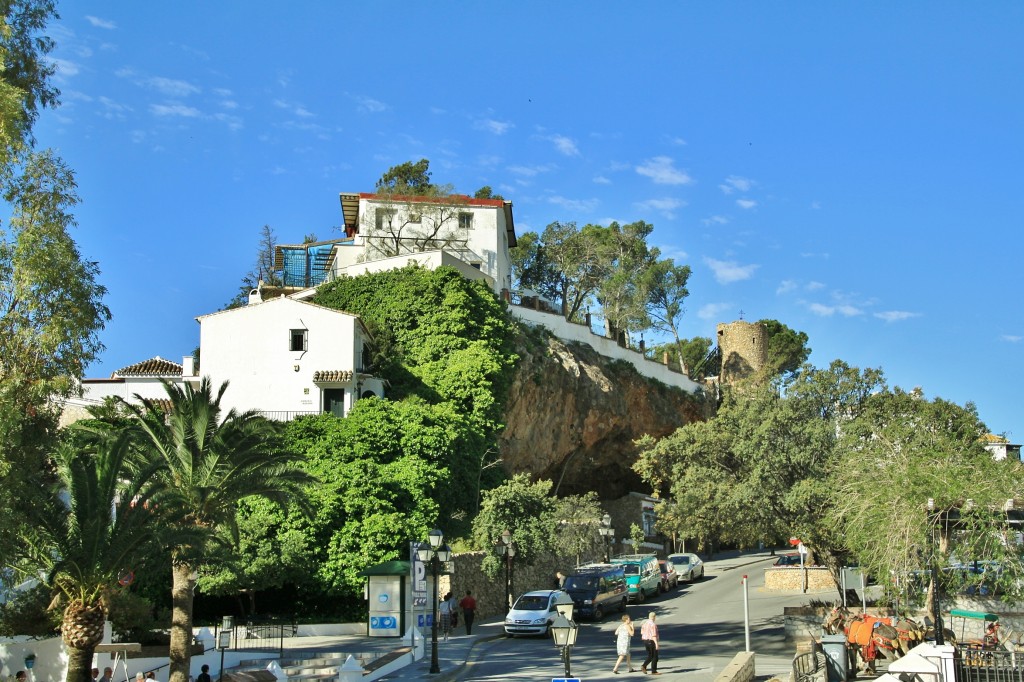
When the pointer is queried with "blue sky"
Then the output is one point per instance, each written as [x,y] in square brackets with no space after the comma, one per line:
[850,169]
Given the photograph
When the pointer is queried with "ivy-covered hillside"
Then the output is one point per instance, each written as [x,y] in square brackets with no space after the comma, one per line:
[394,467]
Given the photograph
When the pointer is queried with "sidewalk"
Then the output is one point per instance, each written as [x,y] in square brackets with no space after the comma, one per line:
[453,654]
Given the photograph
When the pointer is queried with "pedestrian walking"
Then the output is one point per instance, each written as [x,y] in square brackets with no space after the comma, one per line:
[623,636]
[649,634]
[445,609]
[468,605]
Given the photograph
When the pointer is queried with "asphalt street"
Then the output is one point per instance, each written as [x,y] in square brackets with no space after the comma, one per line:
[702,626]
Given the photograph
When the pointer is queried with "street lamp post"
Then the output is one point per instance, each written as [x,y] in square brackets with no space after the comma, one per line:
[940,636]
[564,630]
[224,640]
[434,553]
[508,552]
[607,534]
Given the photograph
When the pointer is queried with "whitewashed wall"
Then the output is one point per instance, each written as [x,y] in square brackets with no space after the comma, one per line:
[250,347]
[568,331]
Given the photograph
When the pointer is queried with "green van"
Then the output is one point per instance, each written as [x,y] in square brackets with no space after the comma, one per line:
[643,576]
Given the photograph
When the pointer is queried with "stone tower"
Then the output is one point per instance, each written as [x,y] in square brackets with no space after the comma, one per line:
[744,349]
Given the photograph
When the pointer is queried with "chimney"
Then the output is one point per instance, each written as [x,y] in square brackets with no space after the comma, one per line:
[188,367]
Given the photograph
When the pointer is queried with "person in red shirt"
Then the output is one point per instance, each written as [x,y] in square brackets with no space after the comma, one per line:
[468,606]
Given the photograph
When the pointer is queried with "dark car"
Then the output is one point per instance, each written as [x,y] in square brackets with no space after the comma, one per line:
[669,577]
[788,560]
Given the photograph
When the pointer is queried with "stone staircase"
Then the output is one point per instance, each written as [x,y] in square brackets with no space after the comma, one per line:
[313,666]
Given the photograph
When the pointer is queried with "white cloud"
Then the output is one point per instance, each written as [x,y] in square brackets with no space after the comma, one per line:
[232,122]
[370,105]
[896,315]
[565,145]
[815,205]
[715,220]
[174,110]
[845,310]
[713,311]
[496,127]
[112,109]
[727,272]
[661,170]
[602,180]
[735,183]
[814,286]
[674,252]
[746,203]
[528,171]
[677,141]
[581,205]
[65,68]
[170,86]
[1012,338]
[666,206]
[100,23]
[786,286]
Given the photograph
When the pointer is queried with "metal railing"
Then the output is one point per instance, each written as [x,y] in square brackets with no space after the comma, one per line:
[264,635]
[974,664]
[808,667]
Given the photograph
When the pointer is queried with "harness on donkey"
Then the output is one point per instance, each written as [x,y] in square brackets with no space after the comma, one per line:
[871,636]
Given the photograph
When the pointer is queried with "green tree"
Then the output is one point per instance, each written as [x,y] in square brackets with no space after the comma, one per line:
[525,509]
[25,85]
[665,284]
[578,519]
[51,312]
[759,470]
[925,450]
[565,264]
[407,178]
[210,462]
[626,259]
[787,349]
[694,351]
[91,524]
[384,476]
[486,192]
[263,270]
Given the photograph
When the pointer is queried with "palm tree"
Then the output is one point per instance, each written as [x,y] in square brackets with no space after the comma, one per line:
[209,465]
[91,524]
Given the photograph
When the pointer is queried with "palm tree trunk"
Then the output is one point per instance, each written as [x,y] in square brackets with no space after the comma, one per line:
[181,622]
[81,630]
[79,665]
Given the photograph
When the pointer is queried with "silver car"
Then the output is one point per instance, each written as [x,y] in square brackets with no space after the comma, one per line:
[688,566]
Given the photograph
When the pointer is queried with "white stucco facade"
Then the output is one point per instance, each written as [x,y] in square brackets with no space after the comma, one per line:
[489,232]
[286,357]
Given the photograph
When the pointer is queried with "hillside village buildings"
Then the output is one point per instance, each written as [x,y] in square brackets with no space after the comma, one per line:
[286,357]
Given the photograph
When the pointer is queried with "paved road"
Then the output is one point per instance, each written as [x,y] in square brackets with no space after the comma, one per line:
[701,625]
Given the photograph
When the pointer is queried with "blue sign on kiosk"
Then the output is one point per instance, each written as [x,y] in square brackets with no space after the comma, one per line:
[565,679]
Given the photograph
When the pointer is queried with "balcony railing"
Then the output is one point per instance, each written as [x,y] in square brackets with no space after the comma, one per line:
[286,416]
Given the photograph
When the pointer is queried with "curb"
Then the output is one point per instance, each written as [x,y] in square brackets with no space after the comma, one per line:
[471,657]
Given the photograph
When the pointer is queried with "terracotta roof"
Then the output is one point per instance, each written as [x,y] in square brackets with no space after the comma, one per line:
[332,375]
[154,367]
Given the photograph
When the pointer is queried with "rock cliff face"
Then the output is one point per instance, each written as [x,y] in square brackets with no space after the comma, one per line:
[572,416]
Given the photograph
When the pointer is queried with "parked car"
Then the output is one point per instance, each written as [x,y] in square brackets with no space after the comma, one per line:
[643,579]
[669,577]
[532,613]
[788,560]
[596,589]
[688,566]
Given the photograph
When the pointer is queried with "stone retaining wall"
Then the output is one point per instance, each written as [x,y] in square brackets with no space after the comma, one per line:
[792,578]
[739,669]
[490,594]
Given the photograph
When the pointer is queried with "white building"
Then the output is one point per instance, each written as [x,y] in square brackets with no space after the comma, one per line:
[286,357]
[384,233]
